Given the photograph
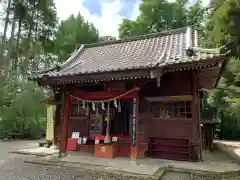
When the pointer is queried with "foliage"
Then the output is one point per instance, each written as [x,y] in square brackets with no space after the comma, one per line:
[22,110]
[37,41]
[223,24]
[223,101]
[208,111]
[159,15]
[221,29]
[71,33]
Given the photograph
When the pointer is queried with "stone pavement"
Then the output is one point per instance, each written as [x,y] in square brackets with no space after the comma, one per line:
[7,146]
[151,168]
[50,167]
[120,164]
[39,151]
[147,166]
[13,167]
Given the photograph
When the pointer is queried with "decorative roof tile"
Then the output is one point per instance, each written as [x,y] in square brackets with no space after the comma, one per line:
[151,50]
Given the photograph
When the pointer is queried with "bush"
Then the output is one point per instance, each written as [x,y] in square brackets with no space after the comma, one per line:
[22,111]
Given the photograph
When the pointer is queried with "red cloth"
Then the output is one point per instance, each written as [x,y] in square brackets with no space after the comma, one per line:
[72,144]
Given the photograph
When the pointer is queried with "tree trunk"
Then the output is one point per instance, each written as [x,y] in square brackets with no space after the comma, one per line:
[8,60]
[29,41]
[3,43]
[35,60]
[15,64]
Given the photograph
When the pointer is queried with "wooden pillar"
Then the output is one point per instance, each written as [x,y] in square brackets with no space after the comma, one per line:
[199,119]
[135,134]
[64,136]
[57,121]
[197,138]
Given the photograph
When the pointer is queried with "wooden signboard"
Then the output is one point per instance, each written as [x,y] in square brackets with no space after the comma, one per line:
[95,124]
[134,122]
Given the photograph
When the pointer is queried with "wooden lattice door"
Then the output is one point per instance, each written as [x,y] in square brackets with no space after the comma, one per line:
[96,124]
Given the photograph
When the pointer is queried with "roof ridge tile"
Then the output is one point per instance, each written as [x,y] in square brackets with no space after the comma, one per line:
[136,38]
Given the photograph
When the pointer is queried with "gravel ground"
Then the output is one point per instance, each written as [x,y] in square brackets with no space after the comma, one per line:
[12,167]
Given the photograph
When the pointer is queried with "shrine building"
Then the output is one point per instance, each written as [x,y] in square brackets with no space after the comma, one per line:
[136,97]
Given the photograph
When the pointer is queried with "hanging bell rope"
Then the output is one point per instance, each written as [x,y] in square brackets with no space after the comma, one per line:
[87,110]
[97,109]
[119,106]
[105,100]
[108,110]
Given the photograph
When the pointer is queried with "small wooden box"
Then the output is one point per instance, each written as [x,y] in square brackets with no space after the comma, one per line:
[72,144]
[106,150]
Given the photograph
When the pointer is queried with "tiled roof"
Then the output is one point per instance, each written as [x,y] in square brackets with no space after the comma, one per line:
[152,50]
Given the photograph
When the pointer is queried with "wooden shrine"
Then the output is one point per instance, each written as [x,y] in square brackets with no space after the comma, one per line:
[137,96]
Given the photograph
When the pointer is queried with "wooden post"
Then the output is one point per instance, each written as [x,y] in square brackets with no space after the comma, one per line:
[199,120]
[64,137]
[135,134]
[197,137]
[56,123]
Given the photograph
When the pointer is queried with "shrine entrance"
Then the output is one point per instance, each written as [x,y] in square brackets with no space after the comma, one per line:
[121,120]
[110,125]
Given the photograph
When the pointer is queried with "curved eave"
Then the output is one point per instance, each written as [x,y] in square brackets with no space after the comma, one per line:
[198,59]
[143,73]
[58,67]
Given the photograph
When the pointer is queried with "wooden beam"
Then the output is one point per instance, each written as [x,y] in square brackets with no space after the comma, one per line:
[169,98]
[98,77]
[206,62]
[101,95]
[50,101]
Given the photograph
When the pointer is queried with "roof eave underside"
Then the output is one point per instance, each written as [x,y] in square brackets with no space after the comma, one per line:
[133,73]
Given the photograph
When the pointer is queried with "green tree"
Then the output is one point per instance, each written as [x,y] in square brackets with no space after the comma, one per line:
[22,110]
[221,28]
[34,44]
[4,36]
[222,100]
[223,24]
[71,33]
[30,47]
[160,15]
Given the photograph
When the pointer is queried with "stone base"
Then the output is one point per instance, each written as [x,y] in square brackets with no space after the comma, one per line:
[133,162]
[133,153]
[54,147]
[62,154]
